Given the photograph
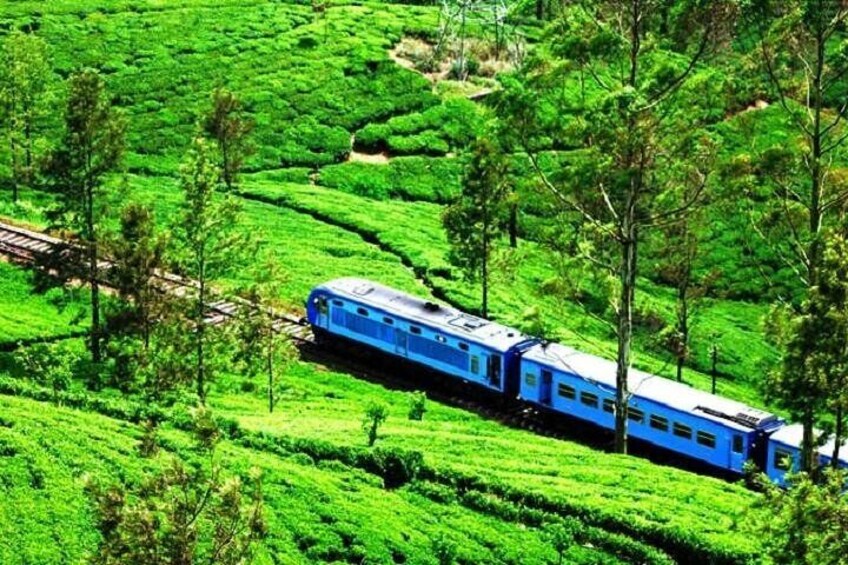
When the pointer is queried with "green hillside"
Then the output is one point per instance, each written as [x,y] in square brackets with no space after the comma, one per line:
[356,157]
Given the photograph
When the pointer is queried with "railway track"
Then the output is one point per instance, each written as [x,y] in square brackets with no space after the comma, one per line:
[27,247]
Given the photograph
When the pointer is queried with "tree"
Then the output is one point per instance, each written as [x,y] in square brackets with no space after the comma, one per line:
[804,524]
[417,405]
[24,77]
[640,141]
[189,513]
[48,364]
[375,415]
[678,266]
[208,246]
[91,148]
[803,52]
[813,379]
[137,254]
[480,215]
[227,125]
[262,348]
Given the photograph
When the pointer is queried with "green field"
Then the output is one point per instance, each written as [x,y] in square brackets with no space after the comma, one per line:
[355,159]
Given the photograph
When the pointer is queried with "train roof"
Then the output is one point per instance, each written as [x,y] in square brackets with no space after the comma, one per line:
[673,394]
[792,435]
[445,318]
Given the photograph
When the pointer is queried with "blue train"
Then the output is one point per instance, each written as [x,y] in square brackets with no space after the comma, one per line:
[708,428]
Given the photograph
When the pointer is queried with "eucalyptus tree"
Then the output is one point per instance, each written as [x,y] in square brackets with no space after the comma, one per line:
[90,149]
[24,80]
[480,215]
[804,51]
[639,141]
[228,125]
[208,245]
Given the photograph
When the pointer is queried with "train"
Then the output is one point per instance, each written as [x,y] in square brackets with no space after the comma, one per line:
[712,430]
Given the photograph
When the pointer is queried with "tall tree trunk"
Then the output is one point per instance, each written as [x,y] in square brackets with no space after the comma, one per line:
[28,149]
[200,329]
[625,330]
[682,326]
[270,375]
[839,434]
[96,355]
[14,155]
[540,9]
[513,225]
[808,451]
[485,277]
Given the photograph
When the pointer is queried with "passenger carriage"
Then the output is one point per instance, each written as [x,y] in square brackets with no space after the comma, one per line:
[784,453]
[438,337]
[721,432]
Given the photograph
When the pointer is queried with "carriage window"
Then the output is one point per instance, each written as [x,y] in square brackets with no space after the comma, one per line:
[463,346]
[589,399]
[338,303]
[441,339]
[681,430]
[706,439]
[362,311]
[388,321]
[415,330]
[635,415]
[321,303]
[659,423]
[530,379]
[738,444]
[566,391]
[475,364]
[609,405]
[782,460]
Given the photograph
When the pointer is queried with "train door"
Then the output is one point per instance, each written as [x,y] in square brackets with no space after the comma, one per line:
[400,342]
[737,451]
[545,390]
[493,370]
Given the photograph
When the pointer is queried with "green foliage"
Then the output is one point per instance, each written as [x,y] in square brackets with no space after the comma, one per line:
[417,405]
[227,125]
[407,178]
[450,126]
[24,79]
[375,415]
[50,365]
[804,524]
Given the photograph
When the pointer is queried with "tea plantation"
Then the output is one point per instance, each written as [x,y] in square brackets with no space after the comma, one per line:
[356,157]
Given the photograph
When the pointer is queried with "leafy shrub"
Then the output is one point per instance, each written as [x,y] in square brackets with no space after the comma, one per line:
[375,415]
[417,405]
[409,178]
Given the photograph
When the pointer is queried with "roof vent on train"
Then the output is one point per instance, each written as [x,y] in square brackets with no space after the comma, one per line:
[468,322]
[750,418]
[431,307]
[363,289]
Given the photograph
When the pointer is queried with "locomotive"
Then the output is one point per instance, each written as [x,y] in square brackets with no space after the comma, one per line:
[704,427]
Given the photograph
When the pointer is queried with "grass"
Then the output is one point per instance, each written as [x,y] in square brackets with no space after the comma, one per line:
[25,316]
[316,512]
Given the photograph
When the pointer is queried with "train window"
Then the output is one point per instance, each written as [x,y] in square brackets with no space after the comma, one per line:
[589,399]
[530,379]
[475,364]
[415,330]
[738,445]
[463,346]
[659,423]
[681,430]
[566,391]
[705,438]
[441,339]
[388,321]
[635,415]
[338,303]
[609,405]
[321,304]
[362,311]
[782,460]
